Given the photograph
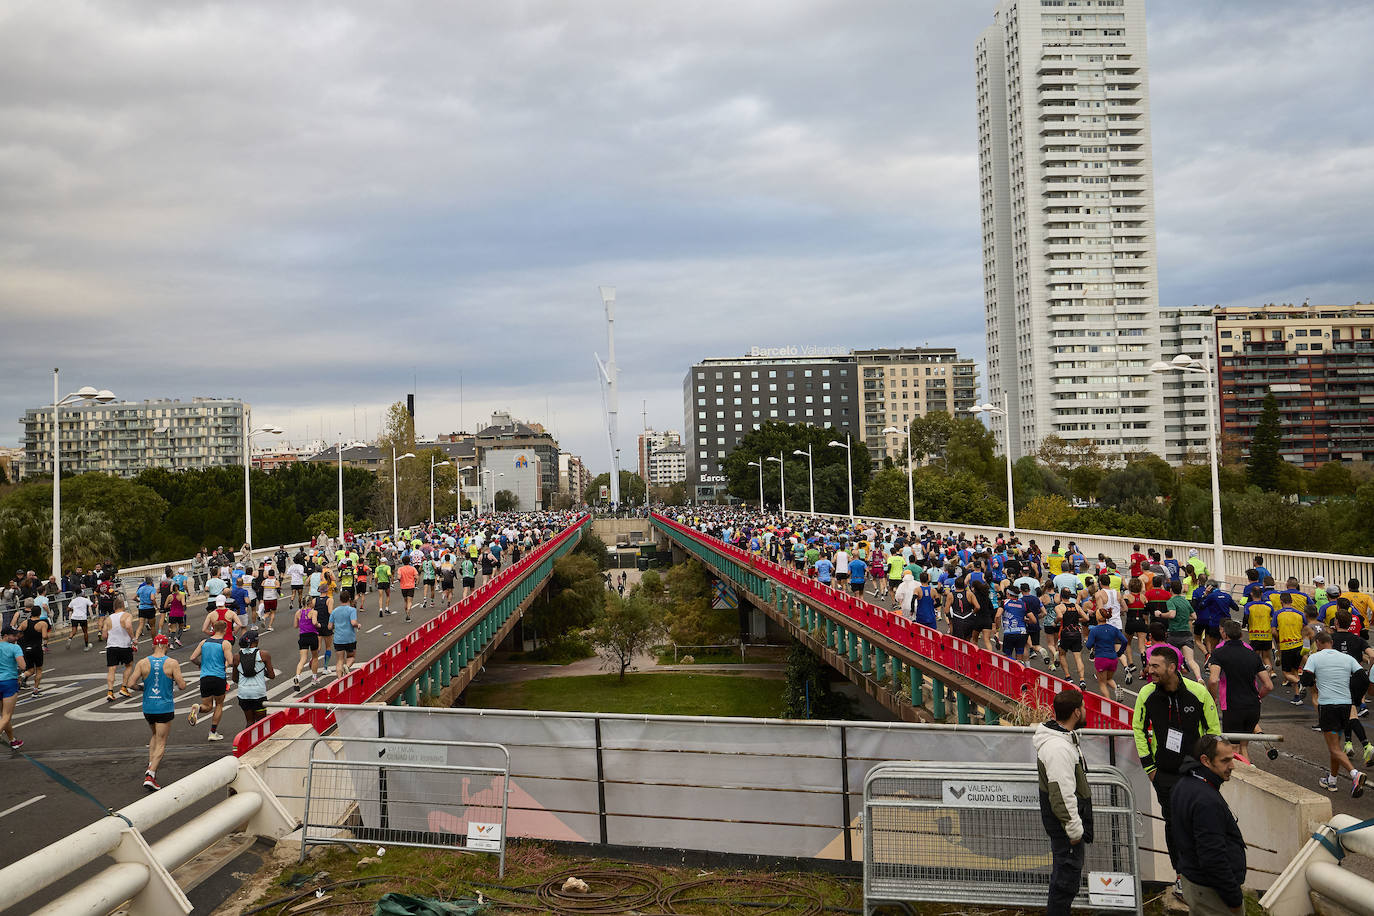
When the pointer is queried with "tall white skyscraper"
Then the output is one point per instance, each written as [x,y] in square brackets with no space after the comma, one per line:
[1069,267]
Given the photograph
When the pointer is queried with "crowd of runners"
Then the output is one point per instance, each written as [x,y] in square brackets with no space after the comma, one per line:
[224,608]
[1104,620]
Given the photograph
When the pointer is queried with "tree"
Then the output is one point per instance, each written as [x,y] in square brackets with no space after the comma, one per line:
[930,437]
[694,622]
[507,501]
[1333,479]
[26,539]
[327,520]
[625,630]
[1054,454]
[1047,513]
[774,439]
[412,474]
[972,450]
[1132,487]
[1030,479]
[631,488]
[886,496]
[807,693]
[1264,464]
[572,598]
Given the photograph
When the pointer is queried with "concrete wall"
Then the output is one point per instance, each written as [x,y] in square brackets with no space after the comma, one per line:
[623,530]
[1273,814]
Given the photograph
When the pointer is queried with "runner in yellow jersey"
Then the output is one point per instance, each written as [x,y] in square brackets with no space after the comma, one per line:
[1290,626]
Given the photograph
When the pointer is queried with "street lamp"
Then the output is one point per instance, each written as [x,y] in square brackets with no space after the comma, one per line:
[87,393]
[810,475]
[459,475]
[432,466]
[1005,413]
[910,474]
[849,468]
[341,516]
[395,510]
[782,481]
[248,435]
[759,465]
[1185,363]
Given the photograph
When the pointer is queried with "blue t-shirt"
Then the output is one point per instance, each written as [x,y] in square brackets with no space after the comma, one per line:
[1014,617]
[1103,639]
[145,596]
[10,653]
[824,568]
[239,596]
[342,619]
[857,570]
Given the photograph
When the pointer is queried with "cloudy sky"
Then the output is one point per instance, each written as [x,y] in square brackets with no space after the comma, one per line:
[308,204]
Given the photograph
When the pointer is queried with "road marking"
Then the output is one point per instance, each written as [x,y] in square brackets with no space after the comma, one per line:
[27,722]
[36,798]
[377,627]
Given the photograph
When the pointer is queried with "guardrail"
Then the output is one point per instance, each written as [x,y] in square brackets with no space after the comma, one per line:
[1007,677]
[142,872]
[1336,568]
[1317,870]
[365,681]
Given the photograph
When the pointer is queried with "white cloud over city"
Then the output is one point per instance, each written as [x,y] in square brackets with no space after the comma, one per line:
[303,204]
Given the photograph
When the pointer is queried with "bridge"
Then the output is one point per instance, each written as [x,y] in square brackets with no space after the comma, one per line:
[890,657]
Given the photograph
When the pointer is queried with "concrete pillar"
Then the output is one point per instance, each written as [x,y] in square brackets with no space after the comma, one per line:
[991,717]
[914,680]
[880,665]
[412,695]
[961,708]
[937,699]
[854,642]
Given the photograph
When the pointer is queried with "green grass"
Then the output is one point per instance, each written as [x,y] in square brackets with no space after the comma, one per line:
[668,694]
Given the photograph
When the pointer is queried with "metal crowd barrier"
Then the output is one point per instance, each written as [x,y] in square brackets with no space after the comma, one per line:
[971,833]
[404,792]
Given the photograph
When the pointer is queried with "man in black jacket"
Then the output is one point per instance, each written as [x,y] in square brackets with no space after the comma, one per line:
[1211,851]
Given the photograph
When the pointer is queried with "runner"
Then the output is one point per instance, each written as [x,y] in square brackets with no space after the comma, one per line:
[252,667]
[1014,618]
[1071,625]
[1106,644]
[147,611]
[11,667]
[295,574]
[1239,681]
[428,575]
[33,638]
[1178,614]
[117,632]
[176,615]
[159,703]
[1329,672]
[384,586]
[213,654]
[468,569]
[447,577]
[308,641]
[406,577]
[1289,629]
[80,608]
[1137,621]
[1259,625]
[343,621]
[271,593]
[222,613]
[323,609]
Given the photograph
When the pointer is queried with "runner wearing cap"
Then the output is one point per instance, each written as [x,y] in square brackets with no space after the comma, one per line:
[251,668]
[11,666]
[213,654]
[159,704]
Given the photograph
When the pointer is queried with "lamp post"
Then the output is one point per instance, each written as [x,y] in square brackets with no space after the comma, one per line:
[782,481]
[1185,363]
[849,468]
[466,467]
[759,465]
[248,435]
[432,466]
[395,506]
[810,475]
[341,516]
[1005,413]
[87,393]
[910,474]
[480,489]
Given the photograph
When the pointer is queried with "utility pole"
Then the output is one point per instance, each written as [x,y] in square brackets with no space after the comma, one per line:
[644,411]
[610,391]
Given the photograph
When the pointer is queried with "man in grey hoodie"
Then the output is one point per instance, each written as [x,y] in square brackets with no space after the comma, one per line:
[1066,807]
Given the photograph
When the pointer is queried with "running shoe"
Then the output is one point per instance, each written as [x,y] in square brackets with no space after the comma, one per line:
[1328,783]
[1349,747]
[150,783]
[1117,688]
[194,716]
[36,693]
[1082,685]
[1364,710]
[1178,888]
[88,648]
[214,736]
[296,682]
[1296,701]
[1357,785]
[125,692]
[407,618]
[109,696]
[1130,675]
[1369,753]
[16,744]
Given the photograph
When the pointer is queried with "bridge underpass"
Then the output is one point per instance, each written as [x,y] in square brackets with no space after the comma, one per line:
[916,672]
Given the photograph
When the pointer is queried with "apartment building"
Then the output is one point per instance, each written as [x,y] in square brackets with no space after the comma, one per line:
[900,385]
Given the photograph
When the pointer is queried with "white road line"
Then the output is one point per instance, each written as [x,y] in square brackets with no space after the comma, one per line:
[377,627]
[21,725]
[25,804]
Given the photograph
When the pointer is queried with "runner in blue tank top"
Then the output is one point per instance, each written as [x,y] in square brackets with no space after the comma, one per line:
[161,673]
[213,654]
[925,601]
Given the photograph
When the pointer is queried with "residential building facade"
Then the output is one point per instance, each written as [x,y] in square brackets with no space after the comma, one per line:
[667,466]
[125,437]
[1318,360]
[1071,301]
[651,441]
[900,385]
[1187,332]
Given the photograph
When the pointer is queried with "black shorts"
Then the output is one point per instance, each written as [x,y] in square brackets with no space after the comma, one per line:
[1181,641]
[1071,640]
[114,655]
[469,581]
[429,583]
[297,589]
[384,587]
[211,686]
[33,658]
[1239,721]
[1136,625]
[309,641]
[362,588]
[1013,643]
[346,648]
[857,587]
[147,613]
[1291,659]
[1198,628]
[1261,645]
[159,718]
[407,593]
[842,576]
[255,704]
[1051,628]
[962,627]
[1333,717]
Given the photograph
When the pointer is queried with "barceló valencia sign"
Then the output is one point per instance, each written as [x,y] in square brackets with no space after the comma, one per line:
[794,350]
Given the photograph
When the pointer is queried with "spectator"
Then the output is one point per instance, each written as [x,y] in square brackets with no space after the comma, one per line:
[1066,807]
[1211,850]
